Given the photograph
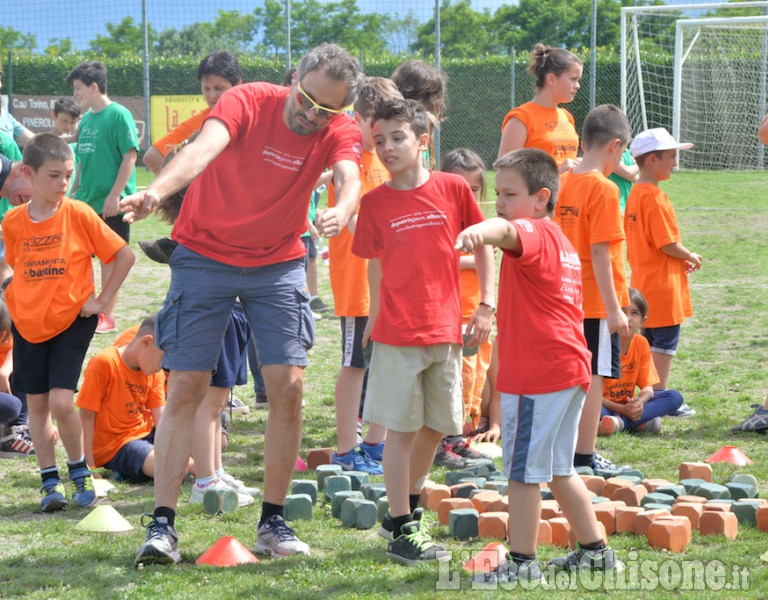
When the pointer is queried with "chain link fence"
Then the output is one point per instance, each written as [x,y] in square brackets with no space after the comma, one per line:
[152,47]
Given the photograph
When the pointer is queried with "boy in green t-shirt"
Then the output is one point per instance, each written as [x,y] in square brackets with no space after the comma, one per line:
[107,146]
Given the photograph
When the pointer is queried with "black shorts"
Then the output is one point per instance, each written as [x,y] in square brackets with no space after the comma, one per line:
[605,348]
[119,226]
[54,363]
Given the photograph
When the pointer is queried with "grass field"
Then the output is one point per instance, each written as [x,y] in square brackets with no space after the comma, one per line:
[723,217]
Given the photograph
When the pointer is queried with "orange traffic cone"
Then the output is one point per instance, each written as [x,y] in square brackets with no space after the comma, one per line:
[730,454]
[227,552]
[488,558]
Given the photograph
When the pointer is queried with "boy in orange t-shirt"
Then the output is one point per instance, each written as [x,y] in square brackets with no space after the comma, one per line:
[589,214]
[351,298]
[120,400]
[49,243]
[660,263]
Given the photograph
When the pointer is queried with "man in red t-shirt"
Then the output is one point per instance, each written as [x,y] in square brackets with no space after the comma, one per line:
[250,173]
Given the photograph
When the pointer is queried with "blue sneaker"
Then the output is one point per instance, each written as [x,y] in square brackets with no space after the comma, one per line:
[374,451]
[83,493]
[356,460]
[53,496]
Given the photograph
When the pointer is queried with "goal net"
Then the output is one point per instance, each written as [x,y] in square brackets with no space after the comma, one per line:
[701,77]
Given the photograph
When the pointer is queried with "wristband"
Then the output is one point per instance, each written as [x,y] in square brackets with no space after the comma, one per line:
[488,306]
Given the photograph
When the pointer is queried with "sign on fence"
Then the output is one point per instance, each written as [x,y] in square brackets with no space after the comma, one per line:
[168,112]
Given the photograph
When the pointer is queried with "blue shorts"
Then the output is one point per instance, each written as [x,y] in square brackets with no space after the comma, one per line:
[352,329]
[130,458]
[54,363]
[232,369]
[663,340]
[191,325]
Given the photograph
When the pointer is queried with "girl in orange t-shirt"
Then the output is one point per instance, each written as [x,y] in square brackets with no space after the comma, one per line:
[622,410]
[541,123]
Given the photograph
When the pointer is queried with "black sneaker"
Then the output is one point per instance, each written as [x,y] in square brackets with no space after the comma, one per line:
[161,545]
[465,451]
[159,250]
[414,546]
[593,560]
[386,527]
[261,400]
[756,422]
[508,571]
[445,457]
[318,306]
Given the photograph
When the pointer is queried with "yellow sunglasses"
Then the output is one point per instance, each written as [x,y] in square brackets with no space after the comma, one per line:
[307,103]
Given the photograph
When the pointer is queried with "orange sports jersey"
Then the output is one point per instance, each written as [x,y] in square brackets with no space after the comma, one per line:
[637,371]
[6,345]
[122,400]
[181,134]
[588,212]
[52,269]
[552,130]
[650,223]
[348,272]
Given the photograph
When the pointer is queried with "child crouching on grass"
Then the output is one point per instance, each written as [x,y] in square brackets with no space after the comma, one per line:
[544,364]
[48,243]
[407,228]
[622,410]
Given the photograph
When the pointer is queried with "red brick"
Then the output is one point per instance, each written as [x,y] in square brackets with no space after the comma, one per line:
[625,518]
[644,519]
[484,500]
[318,456]
[713,522]
[691,510]
[652,484]
[572,535]
[606,514]
[493,525]
[719,506]
[545,534]
[691,498]
[613,484]
[695,470]
[631,495]
[500,505]
[435,495]
[762,518]
[594,483]
[670,535]
[448,504]
[561,531]
[549,509]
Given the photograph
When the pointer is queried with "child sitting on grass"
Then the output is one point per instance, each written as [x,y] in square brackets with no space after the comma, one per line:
[622,410]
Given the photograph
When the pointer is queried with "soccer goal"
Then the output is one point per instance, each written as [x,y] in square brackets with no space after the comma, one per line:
[701,77]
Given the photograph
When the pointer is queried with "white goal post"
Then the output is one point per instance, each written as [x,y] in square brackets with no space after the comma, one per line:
[701,77]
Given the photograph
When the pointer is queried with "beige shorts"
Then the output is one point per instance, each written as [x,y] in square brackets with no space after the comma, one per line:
[413,386]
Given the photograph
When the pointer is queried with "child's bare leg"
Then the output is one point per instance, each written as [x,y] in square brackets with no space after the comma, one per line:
[422,454]
[349,386]
[62,407]
[573,497]
[590,417]
[663,364]
[524,517]
[106,271]
[396,463]
[207,437]
[148,466]
[375,434]
[41,429]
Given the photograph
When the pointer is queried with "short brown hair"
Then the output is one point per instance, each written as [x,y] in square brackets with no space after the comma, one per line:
[46,146]
[374,92]
[537,168]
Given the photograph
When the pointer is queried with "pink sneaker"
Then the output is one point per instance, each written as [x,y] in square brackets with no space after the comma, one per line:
[106,324]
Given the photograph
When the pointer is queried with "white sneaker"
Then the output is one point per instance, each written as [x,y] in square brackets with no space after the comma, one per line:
[198,494]
[276,538]
[239,486]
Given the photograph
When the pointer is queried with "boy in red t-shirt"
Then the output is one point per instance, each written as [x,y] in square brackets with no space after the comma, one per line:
[544,364]
[588,213]
[120,400]
[351,297]
[406,228]
[660,263]
[49,244]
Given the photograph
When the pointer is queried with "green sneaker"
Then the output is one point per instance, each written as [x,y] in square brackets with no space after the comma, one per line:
[594,560]
[53,496]
[414,546]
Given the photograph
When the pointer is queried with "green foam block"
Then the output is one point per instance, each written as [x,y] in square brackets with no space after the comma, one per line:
[336,483]
[712,491]
[382,508]
[463,523]
[657,498]
[305,486]
[339,498]
[357,478]
[298,506]
[357,513]
[373,491]
[324,471]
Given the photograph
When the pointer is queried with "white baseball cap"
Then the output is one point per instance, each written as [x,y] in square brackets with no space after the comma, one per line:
[651,140]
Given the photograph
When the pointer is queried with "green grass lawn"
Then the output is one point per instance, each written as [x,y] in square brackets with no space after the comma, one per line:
[719,369]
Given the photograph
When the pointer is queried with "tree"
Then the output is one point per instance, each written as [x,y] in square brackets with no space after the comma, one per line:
[231,31]
[125,39]
[464,32]
[60,47]
[402,32]
[12,39]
